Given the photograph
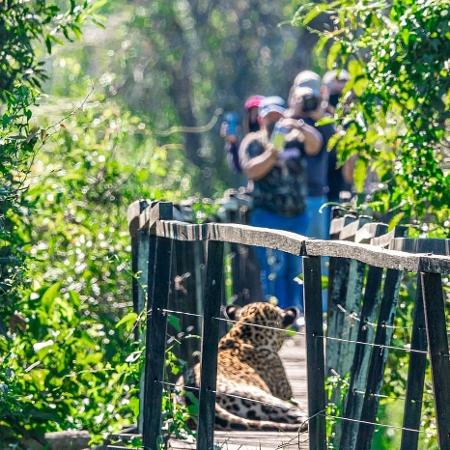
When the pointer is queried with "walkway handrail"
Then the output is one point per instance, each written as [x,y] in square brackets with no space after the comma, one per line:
[286,241]
[154,232]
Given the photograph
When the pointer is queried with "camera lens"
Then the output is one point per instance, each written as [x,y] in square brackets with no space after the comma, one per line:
[310,103]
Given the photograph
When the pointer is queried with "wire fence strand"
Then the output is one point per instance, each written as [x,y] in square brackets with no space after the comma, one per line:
[304,333]
[377,424]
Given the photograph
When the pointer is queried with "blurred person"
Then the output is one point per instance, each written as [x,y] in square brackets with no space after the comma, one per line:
[334,82]
[307,102]
[277,184]
[245,265]
[229,129]
[339,178]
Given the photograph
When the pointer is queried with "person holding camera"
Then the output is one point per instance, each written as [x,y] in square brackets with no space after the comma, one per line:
[307,103]
[229,129]
[273,159]
[338,176]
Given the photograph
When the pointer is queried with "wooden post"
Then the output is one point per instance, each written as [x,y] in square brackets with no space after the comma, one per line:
[208,373]
[156,336]
[348,326]
[184,299]
[378,358]
[312,288]
[417,361]
[142,248]
[139,255]
[361,356]
[436,326]
[337,288]
[345,326]
[416,375]
[146,265]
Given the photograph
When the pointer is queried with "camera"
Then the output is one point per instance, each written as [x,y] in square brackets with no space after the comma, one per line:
[310,103]
[232,121]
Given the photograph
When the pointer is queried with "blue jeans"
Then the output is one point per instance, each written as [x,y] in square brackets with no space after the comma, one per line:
[317,227]
[278,269]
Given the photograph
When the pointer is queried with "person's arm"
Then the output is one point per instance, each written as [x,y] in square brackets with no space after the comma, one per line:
[312,139]
[232,150]
[259,166]
[348,169]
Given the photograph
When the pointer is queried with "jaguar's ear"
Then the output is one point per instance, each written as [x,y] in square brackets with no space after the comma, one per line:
[232,312]
[289,316]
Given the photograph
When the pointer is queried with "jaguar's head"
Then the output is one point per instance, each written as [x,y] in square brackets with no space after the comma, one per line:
[259,324]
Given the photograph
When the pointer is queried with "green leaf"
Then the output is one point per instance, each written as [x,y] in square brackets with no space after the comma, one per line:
[48,43]
[359,174]
[334,52]
[127,321]
[360,85]
[175,322]
[327,120]
[50,294]
[314,12]
[5,120]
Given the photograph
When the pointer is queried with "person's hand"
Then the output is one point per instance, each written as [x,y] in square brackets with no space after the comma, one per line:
[270,148]
[230,138]
[223,130]
[290,123]
[295,135]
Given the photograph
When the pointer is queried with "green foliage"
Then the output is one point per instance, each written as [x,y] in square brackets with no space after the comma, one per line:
[394,120]
[81,183]
[89,172]
[179,61]
[56,375]
[24,26]
[397,108]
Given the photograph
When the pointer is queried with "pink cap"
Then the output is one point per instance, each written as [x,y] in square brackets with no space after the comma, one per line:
[253,102]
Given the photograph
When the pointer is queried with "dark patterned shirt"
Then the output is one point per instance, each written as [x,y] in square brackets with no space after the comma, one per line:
[283,189]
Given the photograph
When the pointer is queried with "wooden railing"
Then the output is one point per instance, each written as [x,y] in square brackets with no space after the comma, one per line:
[364,281]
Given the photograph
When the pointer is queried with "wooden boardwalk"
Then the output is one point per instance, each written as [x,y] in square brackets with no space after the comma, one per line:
[294,360]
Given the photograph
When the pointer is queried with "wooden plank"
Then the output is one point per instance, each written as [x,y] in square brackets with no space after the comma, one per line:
[344,326]
[208,372]
[361,356]
[416,375]
[185,300]
[135,275]
[378,358]
[349,231]
[300,245]
[139,255]
[156,340]
[337,288]
[348,324]
[145,267]
[155,212]
[369,254]
[312,286]
[424,245]
[436,325]
[141,241]
[133,213]
[156,343]
[337,224]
